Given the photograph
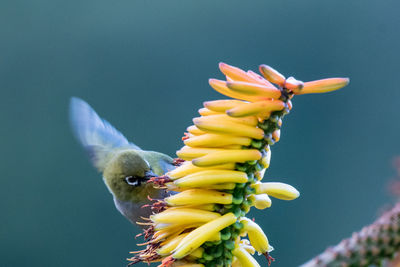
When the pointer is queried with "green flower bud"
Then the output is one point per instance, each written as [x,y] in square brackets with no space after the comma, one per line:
[252,162]
[238,225]
[274,118]
[237,199]
[207,257]
[225,236]
[228,254]
[248,190]
[256,143]
[259,167]
[242,185]
[218,252]
[228,262]
[241,167]
[237,211]
[264,125]
[229,244]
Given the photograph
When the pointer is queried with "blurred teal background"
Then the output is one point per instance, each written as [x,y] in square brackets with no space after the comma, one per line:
[144,66]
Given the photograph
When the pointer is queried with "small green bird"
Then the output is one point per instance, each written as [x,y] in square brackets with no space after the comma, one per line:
[126,168]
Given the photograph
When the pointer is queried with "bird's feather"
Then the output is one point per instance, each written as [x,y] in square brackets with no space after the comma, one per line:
[97,136]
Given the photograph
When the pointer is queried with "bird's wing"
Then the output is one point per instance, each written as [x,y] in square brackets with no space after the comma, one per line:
[159,162]
[97,136]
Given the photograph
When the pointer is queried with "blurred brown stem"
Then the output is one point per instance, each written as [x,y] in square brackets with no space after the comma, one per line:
[373,245]
[395,262]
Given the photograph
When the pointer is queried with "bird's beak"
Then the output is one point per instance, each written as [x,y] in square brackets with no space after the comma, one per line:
[149,174]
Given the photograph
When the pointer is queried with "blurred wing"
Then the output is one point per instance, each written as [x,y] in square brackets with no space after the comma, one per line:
[159,162]
[96,135]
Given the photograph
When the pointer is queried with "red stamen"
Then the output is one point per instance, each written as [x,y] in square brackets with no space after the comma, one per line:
[167,262]
[269,258]
[185,137]
[160,180]
[178,162]
[147,255]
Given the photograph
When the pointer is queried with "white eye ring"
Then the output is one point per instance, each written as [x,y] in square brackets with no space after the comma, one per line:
[132,180]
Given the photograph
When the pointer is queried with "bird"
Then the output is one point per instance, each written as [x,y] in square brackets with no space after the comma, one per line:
[125,167]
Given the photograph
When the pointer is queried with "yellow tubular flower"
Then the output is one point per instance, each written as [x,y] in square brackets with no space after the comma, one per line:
[245,258]
[261,201]
[277,190]
[217,140]
[235,73]
[258,239]
[323,86]
[272,75]
[199,196]
[170,244]
[256,108]
[207,112]
[219,173]
[222,105]
[211,177]
[200,235]
[198,253]
[184,216]
[194,130]
[188,168]
[227,156]
[254,89]
[221,126]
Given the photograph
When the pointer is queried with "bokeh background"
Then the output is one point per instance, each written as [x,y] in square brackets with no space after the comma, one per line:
[144,66]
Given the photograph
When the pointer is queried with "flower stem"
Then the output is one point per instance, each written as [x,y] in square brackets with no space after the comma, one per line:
[374,244]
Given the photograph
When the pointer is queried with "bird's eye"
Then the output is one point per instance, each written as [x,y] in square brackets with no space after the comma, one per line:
[133,180]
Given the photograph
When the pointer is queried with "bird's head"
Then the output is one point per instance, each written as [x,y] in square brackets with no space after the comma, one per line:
[126,176]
